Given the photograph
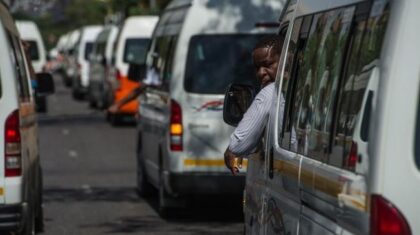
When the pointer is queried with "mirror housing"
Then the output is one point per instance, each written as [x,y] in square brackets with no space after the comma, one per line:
[238,98]
[136,72]
[45,84]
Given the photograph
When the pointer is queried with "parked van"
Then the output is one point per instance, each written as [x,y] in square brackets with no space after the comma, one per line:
[131,47]
[343,157]
[198,48]
[20,169]
[99,85]
[83,49]
[29,32]
[70,66]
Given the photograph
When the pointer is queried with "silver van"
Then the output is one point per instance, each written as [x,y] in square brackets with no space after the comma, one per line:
[198,48]
[342,151]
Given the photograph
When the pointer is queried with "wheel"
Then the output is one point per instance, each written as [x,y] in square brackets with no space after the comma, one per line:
[144,188]
[39,217]
[114,119]
[29,226]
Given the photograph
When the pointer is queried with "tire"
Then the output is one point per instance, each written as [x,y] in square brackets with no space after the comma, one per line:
[39,217]
[144,188]
[163,208]
[114,119]
[29,226]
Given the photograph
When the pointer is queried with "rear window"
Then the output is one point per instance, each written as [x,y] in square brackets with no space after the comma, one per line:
[135,50]
[33,50]
[88,49]
[215,61]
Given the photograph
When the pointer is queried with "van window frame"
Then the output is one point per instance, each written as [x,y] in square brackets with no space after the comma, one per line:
[417,136]
[20,63]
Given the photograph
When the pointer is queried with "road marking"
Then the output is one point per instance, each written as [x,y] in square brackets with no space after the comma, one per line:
[73,154]
[65,132]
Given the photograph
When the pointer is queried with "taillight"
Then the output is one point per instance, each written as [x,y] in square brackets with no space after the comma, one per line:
[118,75]
[351,159]
[175,128]
[79,71]
[12,150]
[386,219]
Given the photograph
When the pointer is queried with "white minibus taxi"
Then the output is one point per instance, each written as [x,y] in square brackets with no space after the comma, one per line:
[342,151]
[29,32]
[198,48]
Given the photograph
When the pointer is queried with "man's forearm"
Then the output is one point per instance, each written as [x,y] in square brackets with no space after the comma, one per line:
[131,96]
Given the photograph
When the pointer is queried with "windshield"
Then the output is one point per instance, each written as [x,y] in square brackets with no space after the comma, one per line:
[88,49]
[33,50]
[215,61]
[135,50]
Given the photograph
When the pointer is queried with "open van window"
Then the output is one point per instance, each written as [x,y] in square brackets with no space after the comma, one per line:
[135,50]
[88,50]
[215,61]
[33,50]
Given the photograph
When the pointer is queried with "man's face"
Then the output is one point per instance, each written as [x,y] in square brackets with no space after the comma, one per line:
[265,62]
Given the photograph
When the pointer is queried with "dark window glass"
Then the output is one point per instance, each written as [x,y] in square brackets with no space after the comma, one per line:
[135,50]
[33,50]
[88,50]
[317,74]
[287,86]
[215,61]
[367,44]
[167,72]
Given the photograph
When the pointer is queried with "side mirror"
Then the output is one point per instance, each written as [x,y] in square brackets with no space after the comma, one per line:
[45,84]
[238,98]
[136,72]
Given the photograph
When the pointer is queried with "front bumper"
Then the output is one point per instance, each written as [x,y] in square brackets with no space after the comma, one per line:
[203,183]
[12,216]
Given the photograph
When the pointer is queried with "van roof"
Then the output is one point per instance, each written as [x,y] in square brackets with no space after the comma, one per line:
[28,29]
[90,32]
[221,16]
[139,26]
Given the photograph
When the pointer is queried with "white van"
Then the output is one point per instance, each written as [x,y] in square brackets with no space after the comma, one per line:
[70,66]
[198,48]
[99,86]
[83,49]
[29,32]
[344,156]
[20,170]
[131,47]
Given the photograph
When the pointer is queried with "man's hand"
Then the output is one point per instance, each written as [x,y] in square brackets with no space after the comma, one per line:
[233,162]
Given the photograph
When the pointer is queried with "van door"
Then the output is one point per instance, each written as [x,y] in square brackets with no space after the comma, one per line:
[155,107]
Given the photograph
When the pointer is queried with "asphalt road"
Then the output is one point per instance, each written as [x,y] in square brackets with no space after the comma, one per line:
[89,180]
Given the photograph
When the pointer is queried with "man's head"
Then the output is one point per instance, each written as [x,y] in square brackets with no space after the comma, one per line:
[266,55]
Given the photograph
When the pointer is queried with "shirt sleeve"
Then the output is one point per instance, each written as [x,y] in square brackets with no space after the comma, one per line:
[244,139]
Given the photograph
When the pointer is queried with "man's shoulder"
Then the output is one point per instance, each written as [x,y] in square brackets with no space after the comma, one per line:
[267,92]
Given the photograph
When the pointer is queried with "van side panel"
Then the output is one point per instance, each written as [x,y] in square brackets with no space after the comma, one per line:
[394,173]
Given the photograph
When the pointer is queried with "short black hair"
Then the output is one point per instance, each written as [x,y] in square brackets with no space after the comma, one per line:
[275,42]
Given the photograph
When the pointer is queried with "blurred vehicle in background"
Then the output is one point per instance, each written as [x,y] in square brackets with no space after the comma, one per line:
[131,47]
[29,32]
[343,142]
[20,170]
[100,91]
[70,64]
[80,64]
[198,49]
[56,58]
